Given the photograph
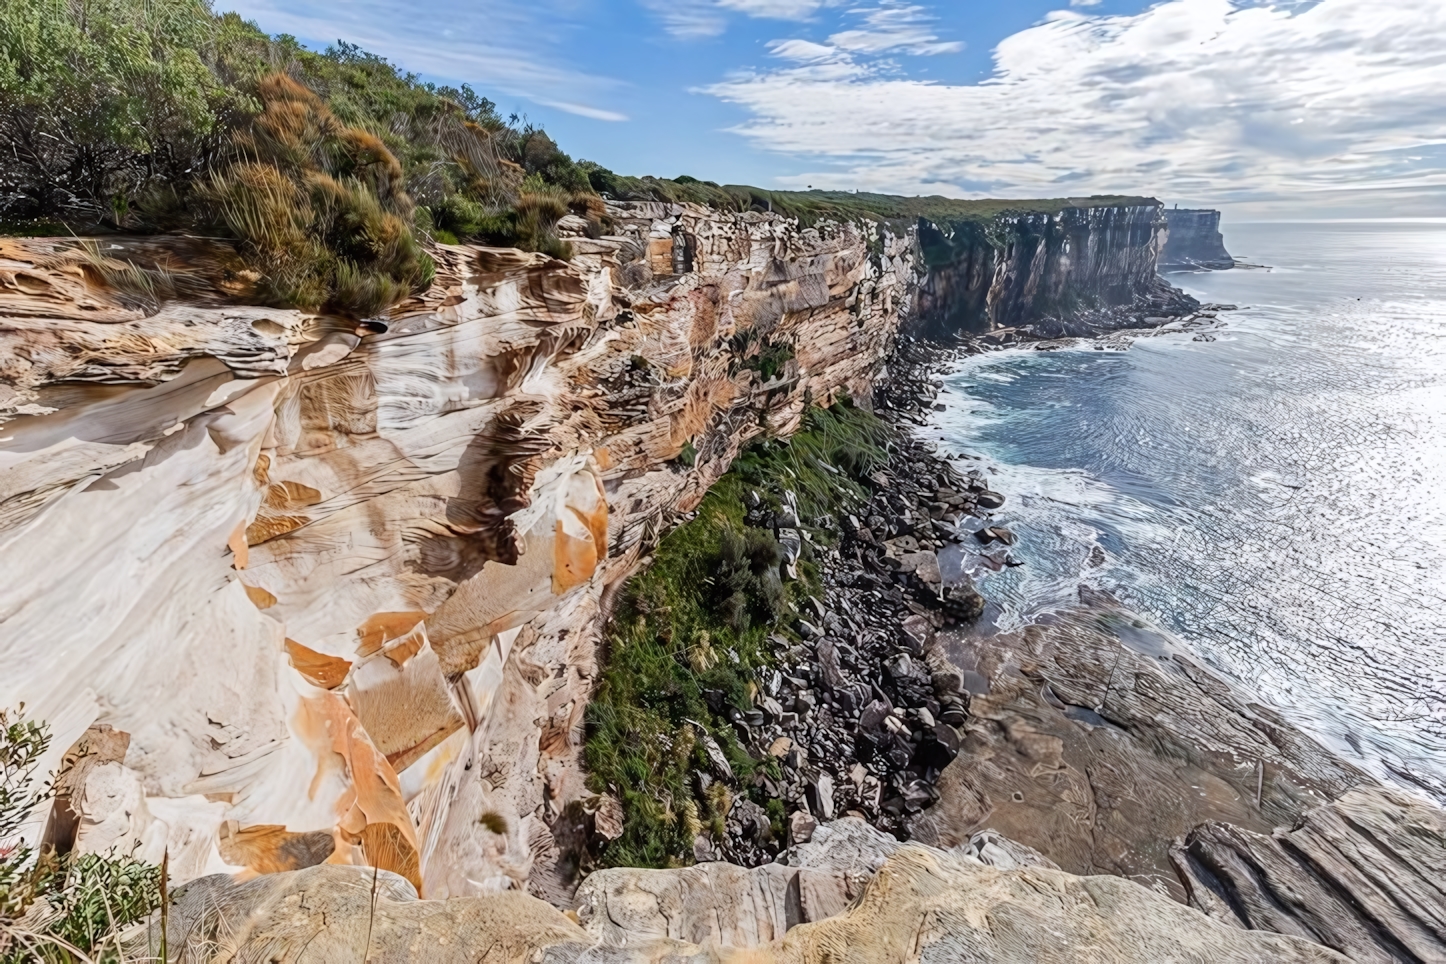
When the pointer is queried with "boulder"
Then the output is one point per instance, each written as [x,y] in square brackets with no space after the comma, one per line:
[989,499]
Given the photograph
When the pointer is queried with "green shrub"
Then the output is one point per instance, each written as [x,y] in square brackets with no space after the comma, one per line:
[59,908]
[101,99]
[319,207]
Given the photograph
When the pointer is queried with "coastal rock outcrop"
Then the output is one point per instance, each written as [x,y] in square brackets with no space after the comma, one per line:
[912,904]
[1365,874]
[1193,241]
[1097,741]
[347,581]
[1085,268]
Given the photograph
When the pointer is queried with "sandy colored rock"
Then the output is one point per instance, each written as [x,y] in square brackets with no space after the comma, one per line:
[922,906]
[343,915]
[932,908]
[1365,874]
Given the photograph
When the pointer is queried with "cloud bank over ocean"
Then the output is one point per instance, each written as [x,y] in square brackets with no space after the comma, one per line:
[1206,99]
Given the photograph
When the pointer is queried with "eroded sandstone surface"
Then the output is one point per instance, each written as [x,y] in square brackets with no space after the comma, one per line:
[340,583]
[990,902]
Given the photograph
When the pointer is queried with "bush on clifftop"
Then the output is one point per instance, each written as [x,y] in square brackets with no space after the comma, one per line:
[330,170]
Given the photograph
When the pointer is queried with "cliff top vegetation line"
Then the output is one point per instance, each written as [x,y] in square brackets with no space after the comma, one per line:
[815,205]
[330,172]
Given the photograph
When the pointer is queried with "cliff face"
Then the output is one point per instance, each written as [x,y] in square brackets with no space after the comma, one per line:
[1019,269]
[336,590]
[341,587]
[1193,240]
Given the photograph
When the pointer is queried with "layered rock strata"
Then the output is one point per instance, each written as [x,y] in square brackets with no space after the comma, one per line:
[1365,874]
[341,585]
[1081,270]
[1096,740]
[1193,241]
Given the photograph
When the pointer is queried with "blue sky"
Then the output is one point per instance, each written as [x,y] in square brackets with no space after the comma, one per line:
[1325,107]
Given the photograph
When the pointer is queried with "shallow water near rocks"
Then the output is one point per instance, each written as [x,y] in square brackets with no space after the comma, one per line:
[1275,497]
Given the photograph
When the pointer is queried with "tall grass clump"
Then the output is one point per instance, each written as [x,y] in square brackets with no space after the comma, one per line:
[58,908]
[319,207]
[694,631]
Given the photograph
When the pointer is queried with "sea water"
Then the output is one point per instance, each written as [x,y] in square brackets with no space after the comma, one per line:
[1272,491]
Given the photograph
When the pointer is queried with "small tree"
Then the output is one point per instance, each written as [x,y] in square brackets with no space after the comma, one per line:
[99,99]
[60,908]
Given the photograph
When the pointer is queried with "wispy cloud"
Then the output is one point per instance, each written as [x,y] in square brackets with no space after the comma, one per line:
[776,9]
[497,46]
[895,27]
[692,19]
[1207,99]
[689,19]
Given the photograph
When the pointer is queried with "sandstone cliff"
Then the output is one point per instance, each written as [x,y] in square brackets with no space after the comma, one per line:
[341,585]
[1023,268]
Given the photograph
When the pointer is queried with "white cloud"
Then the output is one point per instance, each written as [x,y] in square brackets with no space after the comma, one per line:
[1204,99]
[895,28]
[583,110]
[693,19]
[689,19]
[500,48]
[776,9]
[804,51]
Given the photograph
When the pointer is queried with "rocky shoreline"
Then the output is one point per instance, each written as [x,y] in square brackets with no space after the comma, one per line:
[1090,740]
[866,714]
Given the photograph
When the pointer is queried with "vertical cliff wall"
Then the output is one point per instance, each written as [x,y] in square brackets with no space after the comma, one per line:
[340,585]
[1021,269]
[1193,240]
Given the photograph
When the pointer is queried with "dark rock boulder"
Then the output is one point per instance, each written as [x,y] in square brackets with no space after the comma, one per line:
[989,499]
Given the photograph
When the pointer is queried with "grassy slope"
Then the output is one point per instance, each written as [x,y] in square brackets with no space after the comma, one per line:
[697,627]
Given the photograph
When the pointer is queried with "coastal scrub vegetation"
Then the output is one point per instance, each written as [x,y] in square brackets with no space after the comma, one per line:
[59,908]
[694,632]
[329,171]
[812,206]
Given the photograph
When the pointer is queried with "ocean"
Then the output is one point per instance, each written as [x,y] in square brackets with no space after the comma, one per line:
[1274,497]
